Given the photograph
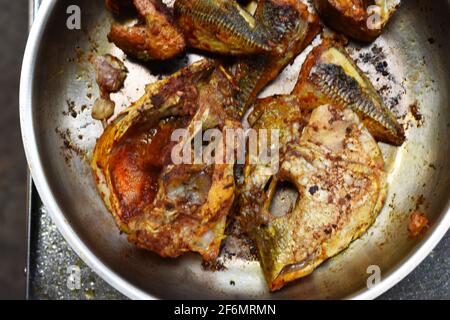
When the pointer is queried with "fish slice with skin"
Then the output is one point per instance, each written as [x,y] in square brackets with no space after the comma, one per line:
[330,76]
[337,170]
[166,207]
[292,28]
[221,26]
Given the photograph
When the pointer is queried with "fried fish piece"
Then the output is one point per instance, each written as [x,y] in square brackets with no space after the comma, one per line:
[292,28]
[281,113]
[158,38]
[221,26]
[329,75]
[329,190]
[362,20]
[165,206]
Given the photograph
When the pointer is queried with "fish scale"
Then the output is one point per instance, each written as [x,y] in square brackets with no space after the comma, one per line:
[292,27]
[330,76]
[226,16]
[338,86]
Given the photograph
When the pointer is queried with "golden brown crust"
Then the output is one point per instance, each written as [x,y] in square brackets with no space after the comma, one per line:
[293,28]
[330,76]
[337,170]
[282,113]
[165,207]
[220,26]
[158,39]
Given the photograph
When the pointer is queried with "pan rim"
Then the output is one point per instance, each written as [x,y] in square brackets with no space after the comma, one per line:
[396,274]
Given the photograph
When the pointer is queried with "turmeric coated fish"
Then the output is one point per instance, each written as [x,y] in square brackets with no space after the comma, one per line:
[330,188]
[281,113]
[292,28]
[165,206]
[330,76]
[362,20]
[221,26]
[157,37]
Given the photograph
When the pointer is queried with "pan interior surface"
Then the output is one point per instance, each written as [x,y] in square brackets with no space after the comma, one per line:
[408,64]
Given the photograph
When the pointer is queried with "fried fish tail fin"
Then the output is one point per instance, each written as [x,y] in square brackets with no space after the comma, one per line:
[330,76]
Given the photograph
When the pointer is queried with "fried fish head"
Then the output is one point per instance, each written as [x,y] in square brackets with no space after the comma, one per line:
[165,206]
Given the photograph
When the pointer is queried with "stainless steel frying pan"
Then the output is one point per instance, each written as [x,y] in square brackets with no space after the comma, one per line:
[408,64]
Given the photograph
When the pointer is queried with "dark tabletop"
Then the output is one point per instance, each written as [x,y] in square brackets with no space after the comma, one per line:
[13,35]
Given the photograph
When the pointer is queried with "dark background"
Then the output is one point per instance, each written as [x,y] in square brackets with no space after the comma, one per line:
[13,34]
